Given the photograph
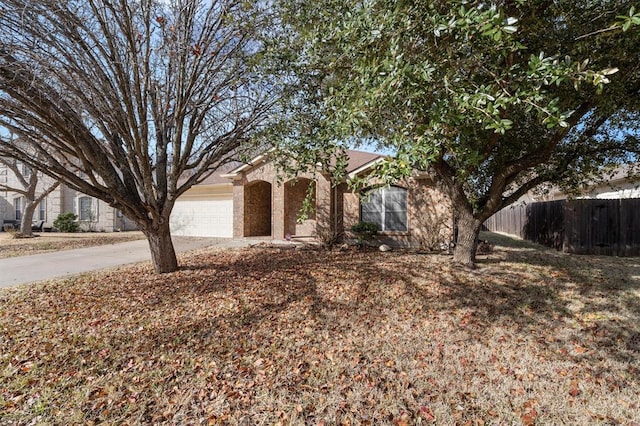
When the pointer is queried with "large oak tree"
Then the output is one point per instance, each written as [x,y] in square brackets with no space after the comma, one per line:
[133,102]
[494,98]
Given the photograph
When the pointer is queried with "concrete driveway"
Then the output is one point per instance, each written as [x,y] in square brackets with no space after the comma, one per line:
[46,266]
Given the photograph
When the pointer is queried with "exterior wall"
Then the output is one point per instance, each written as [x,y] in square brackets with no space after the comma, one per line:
[277,207]
[242,222]
[614,191]
[285,203]
[326,223]
[4,200]
[257,209]
[62,200]
[429,217]
[7,198]
[618,188]
[429,211]
[294,196]
[238,210]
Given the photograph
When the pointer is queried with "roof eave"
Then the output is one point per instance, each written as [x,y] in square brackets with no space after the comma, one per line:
[235,173]
[353,174]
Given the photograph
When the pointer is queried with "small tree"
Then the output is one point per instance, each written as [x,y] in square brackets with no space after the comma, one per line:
[34,187]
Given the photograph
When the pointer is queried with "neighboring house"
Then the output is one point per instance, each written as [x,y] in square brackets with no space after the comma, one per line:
[250,201]
[602,219]
[93,214]
[618,186]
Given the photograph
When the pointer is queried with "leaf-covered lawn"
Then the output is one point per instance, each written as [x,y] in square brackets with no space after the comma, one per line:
[54,241]
[266,336]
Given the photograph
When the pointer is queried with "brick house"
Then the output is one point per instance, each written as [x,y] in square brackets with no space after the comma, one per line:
[93,214]
[250,201]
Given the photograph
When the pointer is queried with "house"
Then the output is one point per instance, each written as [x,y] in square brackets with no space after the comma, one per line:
[618,186]
[93,214]
[250,201]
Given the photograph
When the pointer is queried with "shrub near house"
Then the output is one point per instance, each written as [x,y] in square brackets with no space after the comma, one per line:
[66,222]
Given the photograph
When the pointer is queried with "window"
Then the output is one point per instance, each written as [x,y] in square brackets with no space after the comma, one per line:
[42,210]
[386,207]
[26,171]
[17,202]
[85,209]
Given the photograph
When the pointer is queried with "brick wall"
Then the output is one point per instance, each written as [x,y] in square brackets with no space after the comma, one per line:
[295,193]
[257,209]
[429,216]
[286,201]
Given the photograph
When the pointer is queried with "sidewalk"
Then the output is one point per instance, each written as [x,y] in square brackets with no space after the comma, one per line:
[46,266]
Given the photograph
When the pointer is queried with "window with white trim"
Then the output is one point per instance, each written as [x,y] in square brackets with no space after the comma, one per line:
[17,202]
[86,210]
[42,210]
[386,207]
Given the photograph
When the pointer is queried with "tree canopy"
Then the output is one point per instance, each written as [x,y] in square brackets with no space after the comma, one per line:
[133,102]
[494,98]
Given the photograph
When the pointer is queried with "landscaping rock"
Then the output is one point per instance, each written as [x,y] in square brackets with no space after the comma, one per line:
[384,248]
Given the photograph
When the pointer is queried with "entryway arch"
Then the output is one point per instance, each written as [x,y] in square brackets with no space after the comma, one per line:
[295,194]
[257,209]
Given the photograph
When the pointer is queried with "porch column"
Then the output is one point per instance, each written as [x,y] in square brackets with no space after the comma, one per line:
[238,209]
[277,217]
[324,205]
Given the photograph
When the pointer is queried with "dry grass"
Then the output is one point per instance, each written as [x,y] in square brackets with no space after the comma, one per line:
[268,336]
[54,241]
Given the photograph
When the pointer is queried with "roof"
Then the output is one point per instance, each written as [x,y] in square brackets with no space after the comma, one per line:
[358,160]
[216,177]
[622,181]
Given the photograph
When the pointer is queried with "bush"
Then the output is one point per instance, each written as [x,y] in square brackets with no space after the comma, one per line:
[66,222]
[365,231]
[12,231]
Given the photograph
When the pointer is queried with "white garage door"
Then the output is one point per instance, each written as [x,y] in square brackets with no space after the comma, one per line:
[203,218]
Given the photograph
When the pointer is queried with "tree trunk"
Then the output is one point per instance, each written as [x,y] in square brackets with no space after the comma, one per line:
[465,251]
[27,218]
[163,253]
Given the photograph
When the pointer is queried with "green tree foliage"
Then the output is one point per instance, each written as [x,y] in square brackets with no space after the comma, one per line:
[494,98]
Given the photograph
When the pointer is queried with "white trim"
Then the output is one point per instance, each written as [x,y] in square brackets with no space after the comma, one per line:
[365,167]
[252,163]
[18,207]
[383,207]
[42,208]
[94,208]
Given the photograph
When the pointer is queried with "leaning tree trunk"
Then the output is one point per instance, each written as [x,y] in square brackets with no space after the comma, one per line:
[468,230]
[163,254]
[27,219]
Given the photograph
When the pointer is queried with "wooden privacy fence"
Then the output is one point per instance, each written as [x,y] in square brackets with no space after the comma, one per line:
[586,226]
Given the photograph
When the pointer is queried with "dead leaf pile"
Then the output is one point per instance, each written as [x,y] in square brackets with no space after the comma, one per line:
[268,336]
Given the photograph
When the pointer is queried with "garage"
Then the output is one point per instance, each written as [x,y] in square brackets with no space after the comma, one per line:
[204,211]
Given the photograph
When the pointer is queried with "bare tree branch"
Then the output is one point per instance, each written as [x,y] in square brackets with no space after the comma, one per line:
[134,102]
